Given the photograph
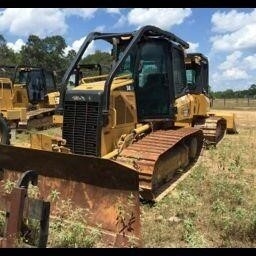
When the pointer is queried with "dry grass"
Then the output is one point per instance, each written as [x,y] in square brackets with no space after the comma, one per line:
[213,207]
[23,139]
[216,205]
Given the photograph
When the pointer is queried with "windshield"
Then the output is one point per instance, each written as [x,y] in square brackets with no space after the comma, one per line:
[95,62]
[22,78]
[191,76]
[127,67]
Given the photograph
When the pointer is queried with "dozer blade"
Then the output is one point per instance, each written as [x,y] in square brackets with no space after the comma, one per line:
[107,190]
[37,119]
[230,118]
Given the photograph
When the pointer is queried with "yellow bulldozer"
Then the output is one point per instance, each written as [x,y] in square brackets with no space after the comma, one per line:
[28,97]
[214,124]
[124,134]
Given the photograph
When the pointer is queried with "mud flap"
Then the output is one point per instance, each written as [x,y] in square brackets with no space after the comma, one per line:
[107,190]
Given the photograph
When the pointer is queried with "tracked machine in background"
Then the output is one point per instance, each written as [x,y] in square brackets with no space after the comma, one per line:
[196,103]
[121,132]
[28,97]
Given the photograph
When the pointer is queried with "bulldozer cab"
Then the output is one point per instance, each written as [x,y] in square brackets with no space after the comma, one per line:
[161,77]
[28,93]
[38,82]
[152,89]
[197,73]
[156,65]
[153,59]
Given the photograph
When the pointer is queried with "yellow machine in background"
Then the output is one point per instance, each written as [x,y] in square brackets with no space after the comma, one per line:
[124,133]
[194,108]
[28,97]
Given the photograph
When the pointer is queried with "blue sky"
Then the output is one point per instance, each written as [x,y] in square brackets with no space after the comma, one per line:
[226,36]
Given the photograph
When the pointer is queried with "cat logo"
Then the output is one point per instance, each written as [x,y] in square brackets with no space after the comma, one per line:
[78,98]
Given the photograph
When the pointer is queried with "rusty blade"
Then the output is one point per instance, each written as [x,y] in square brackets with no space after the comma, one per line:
[109,191]
[91,170]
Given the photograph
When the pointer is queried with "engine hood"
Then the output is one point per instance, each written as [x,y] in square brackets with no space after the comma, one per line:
[99,85]
[92,86]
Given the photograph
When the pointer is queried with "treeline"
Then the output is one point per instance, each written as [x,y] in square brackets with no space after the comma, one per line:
[48,53]
[229,93]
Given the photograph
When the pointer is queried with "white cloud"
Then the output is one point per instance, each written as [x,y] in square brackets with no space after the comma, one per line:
[77,44]
[17,45]
[121,22]
[232,20]
[193,47]
[37,21]
[235,67]
[236,30]
[243,38]
[250,62]
[231,60]
[100,28]
[235,74]
[234,78]
[113,10]
[164,18]
[235,60]
[40,21]
[85,13]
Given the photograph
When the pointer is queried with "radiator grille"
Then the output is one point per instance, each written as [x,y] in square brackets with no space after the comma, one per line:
[81,127]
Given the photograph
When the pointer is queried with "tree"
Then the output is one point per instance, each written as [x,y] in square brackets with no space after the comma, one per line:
[32,53]
[252,90]
[54,52]
[2,41]
[104,58]
[210,92]
[70,56]
[47,53]
[7,55]
[99,57]
[228,94]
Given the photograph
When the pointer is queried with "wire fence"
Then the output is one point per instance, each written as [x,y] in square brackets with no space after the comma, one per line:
[235,103]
